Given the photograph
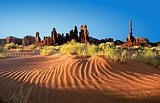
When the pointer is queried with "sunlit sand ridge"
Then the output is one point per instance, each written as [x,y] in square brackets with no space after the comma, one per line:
[70,79]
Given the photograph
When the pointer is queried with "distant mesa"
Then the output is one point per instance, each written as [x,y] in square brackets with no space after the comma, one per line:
[28,40]
[82,37]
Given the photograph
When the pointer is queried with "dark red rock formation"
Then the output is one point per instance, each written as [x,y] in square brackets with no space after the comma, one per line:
[130,37]
[54,36]
[67,38]
[71,36]
[47,41]
[141,40]
[118,42]
[75,33]
[106,40]
[84,34]
[59,39]
[3,42]
[153,44]
[131,41]
[37,39]
[15,40]
[94,40]
[28,40]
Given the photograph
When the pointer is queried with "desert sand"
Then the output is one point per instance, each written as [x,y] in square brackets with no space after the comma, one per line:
[72,79]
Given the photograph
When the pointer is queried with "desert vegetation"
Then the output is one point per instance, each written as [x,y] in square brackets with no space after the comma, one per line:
[2,53]
[148,55]
[112,52]
[48,50]
[88,50]
[11,46]
[15,47]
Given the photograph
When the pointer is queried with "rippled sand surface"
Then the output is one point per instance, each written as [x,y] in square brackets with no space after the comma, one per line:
[71,79]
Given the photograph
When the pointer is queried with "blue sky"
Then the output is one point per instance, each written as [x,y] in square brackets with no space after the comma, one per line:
[104,18]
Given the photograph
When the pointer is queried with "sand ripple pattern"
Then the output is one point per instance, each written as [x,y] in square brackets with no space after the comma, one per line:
[23,53]
[48,77]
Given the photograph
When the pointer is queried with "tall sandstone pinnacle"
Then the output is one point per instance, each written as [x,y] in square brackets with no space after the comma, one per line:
[84,34]
[130,37]
[54,36]
[37,39]
[75,32]
[131,41]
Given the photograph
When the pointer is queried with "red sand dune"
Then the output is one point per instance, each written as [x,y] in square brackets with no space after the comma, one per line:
[70,79]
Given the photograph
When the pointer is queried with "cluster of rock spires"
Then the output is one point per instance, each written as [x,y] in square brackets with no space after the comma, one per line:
[59,39]
[83,37]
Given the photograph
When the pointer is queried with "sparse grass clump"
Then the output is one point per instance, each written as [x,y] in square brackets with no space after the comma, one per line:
[80,49]
[10,46]
[90,50]
[148,56]
[13,47]
[32,47]
[48,50]
[2,53]
[136,47]
[116,54]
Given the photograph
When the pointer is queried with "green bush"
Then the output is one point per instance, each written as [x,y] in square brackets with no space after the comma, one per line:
[80,49]
[2,53]
[10,46]
[71,47]
[112,53]
[116,54]
[48,50]
[148,56]
[136,47]
[156,48]
[32,47]
[107,44]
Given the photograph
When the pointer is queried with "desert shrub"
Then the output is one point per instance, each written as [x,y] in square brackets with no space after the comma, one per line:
[48,50]
[71,47]
[136,47]
[58,47]
[18,48]
[10,46]
[93,50]
[2,53]
[112,53]
[32,47]
[107,44]
[148,56]
[13,47]
[89,50]
[118,47]
[156,48]
[80,49]
[38,48]
[116,54]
